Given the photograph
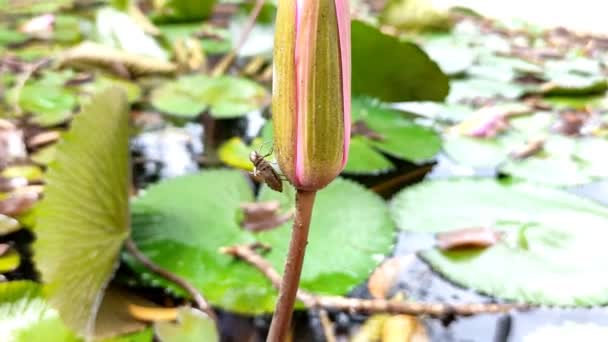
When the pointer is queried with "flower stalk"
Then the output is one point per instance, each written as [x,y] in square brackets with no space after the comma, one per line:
[311,119]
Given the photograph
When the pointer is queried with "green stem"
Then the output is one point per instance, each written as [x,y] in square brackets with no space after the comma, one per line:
[279,328]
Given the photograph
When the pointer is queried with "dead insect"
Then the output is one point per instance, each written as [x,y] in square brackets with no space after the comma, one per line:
[264,171]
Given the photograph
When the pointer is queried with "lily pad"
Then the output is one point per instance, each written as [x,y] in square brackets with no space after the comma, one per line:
[399,136]
[224,97]
[25,315]
[83,219]
[9,261]
[401,72]
[551,237]
[192,326]
[181,224]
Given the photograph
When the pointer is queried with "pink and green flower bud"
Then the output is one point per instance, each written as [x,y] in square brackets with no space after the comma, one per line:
[311,90]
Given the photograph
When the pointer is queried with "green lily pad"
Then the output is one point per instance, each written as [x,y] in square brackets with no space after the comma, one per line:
[224,97]
[102,82]
[44,155]
[364,159]
[83,219]
[185,10]
[9,261]
[400,137]
[551,237]
[235,152]
[46,98]
[9,37]
[192,326]
[473,88]
[26,316]
[146,335]
[401,72]
[181,224]
[29,172]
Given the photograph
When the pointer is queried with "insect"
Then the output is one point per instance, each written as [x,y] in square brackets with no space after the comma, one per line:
[264,171]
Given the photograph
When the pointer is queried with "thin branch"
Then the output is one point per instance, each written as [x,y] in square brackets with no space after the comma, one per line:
[197,297]
[311,301]
[227,60]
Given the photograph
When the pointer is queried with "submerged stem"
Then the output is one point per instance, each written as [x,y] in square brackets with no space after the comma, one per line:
[281,319]
[197,297]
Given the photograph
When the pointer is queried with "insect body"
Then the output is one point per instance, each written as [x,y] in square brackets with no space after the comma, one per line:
[263,170]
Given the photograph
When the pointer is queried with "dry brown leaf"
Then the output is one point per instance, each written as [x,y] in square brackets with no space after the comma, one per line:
[43,138]
[384,277]
[18,203]
[114,316]
[474,237]
[399,328]
[260,216]
[89,53]
[361,128]
[151,314]
[371,330]
[531,148]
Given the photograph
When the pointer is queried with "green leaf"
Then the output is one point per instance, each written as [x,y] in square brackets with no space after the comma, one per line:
[25,316]
[185,10]
[464,203]
[473,88]
[364,159]
[227,97]
[181,224]
[192,326]
[9,37]
[401,72]
[415,15]
[235,153]
[551,237]
[83,218]
[9,261]
[102,82]
[401,137]
[146,335]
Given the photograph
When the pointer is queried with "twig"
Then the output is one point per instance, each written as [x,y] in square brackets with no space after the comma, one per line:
[227,60]
[23,78]
[327,325]
[311,301]
[198,298]
[281,320]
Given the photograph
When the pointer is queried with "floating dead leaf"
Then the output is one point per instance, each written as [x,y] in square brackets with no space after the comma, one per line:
[43,138]
[384,277]
[114,317]
[8,225]
[4,247]
[489,121]
[570,123]
[474,237]
[260,216]
[40,27]
[531,148]
[371,330]
[403,328]
[362,129]
[189,55]
[10,184]
[151,314]
[18,203]
[12,147]
[89,53]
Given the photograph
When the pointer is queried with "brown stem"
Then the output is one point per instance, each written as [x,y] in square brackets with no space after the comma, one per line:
[293,267]
[198,298]
[246,253]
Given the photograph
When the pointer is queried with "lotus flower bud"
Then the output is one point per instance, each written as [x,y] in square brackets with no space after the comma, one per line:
[311,90]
